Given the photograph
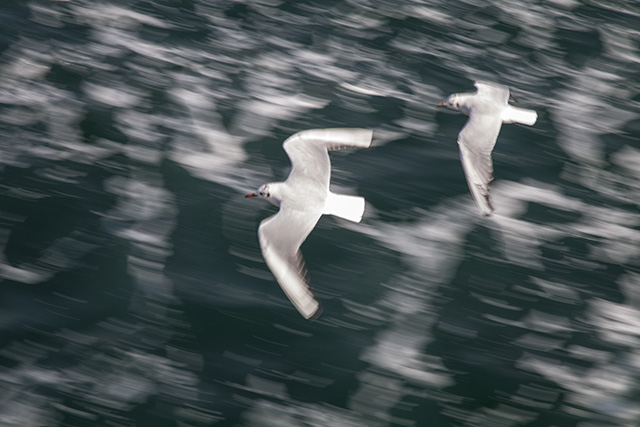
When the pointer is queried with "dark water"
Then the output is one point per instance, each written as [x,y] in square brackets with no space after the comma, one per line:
[133,290]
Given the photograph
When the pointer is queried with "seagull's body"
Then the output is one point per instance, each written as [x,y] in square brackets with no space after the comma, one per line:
[487,109]
[303,198]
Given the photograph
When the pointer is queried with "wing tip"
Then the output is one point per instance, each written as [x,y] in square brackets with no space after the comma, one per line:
[487,208]
[482,201]
[314,316]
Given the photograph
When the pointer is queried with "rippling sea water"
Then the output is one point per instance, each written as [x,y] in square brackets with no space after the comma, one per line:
[133,291]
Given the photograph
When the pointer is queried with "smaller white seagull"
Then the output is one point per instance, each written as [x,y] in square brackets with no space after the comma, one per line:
[303,198]
[487,109]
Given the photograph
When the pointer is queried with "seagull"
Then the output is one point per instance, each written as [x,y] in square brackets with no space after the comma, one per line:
[487,109]
[303,198]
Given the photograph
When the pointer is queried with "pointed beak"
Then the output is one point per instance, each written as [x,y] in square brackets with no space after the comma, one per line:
[251,195]
[442,104]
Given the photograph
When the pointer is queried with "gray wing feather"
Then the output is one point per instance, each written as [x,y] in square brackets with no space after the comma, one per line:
[496,92]
[308,150]
[281,236]
[476,142]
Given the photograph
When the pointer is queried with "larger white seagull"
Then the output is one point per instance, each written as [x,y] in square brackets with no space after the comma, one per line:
[303,198]
[488,109]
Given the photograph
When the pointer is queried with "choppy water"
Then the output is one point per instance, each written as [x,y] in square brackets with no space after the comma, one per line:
[133,291]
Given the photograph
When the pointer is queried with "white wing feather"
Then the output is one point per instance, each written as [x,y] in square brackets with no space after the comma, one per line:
[476,141]
[304,201]
[280,238]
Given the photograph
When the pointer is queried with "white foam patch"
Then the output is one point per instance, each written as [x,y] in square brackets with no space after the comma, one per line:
[623,8]
[38,103]
[616,323]
[431,249]
[269,413]
[126,378]
[620,42]
[144,215]
[61,255]
[115,97]
[629,284]
[432,14]
[28,274]
[628,158]
[596,389]
[221,99]
[201,142]
[274,96]
[588,97]
[565,4]
[438,233]
[323,66]
[30,410]
[604,386]
[104,15]
[555,291]
[522,239]
[617,232]
[222,154]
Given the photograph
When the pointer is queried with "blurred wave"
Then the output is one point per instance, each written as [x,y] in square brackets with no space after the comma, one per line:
[133,289]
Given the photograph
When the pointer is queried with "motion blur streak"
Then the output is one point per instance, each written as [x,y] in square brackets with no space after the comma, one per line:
[132,287]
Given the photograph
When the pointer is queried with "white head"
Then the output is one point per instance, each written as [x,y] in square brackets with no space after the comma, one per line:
[267,191]
[456,102]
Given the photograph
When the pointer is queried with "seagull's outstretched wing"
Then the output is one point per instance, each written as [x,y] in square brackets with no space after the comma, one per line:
[280,238]
[308,149]
[476,140]
[307,190]
[496,92]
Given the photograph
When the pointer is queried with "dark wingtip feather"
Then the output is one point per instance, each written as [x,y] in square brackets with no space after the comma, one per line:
[317,314]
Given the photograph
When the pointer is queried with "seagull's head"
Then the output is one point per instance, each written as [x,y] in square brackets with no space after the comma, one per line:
[452,101]
[456,101]
[265,191]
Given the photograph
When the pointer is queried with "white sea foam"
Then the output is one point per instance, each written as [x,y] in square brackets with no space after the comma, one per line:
[241,84]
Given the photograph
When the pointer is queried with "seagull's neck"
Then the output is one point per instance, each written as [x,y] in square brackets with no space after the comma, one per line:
[276,190]
[465,102]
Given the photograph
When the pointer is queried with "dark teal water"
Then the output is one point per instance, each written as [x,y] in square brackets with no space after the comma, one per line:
[133,291]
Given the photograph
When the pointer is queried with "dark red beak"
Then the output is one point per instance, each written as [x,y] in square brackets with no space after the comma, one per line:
[250,195]
[442,104]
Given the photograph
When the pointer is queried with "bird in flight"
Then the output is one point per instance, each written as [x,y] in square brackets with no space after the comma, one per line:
[303,198]
[488,109]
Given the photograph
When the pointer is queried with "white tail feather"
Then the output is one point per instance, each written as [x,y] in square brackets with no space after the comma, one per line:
[347,207]
[513,114]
